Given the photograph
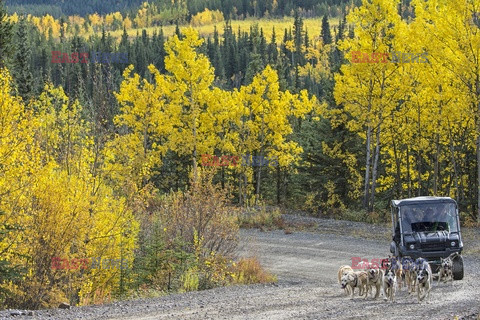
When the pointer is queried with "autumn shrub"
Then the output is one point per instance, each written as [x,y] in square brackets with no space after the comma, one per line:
[260,217]
[249,271]
[311,203]
[373,217]
[187,242]
[468,220]
[351,215]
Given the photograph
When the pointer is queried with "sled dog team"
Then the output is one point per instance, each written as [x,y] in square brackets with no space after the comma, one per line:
[392,274]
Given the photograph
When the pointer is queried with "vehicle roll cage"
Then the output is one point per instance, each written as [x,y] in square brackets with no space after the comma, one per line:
[397,216]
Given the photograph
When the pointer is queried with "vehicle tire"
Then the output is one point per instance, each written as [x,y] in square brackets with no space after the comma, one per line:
[458,268]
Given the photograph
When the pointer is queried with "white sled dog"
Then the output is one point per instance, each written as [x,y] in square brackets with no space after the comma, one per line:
[341,272]
[355,280]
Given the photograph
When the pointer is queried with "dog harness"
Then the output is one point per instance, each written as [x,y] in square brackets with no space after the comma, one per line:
[356,279]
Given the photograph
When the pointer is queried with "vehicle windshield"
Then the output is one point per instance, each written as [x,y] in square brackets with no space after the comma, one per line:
[429,217]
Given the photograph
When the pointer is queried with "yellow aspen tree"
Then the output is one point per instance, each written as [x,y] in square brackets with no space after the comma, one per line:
[131,156]
[127,23]
[265,128]
[60,208]
[17,165]
[191,75]
[369,89]
[453,32]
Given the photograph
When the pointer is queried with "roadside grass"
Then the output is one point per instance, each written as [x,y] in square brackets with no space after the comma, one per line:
[145,292]
[268,218]
[261,217]
[471,240]
[250,271]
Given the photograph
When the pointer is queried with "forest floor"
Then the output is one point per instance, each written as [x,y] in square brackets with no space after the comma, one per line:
[306,264]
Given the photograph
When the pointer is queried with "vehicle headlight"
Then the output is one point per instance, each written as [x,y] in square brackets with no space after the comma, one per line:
[453,243]
[412,246]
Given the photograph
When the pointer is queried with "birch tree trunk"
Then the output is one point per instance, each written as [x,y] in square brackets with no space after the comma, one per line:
[477,87]
[454,163]
[478,168]
[375,167]
[367,168]
[409,178]
[436,165]
[278,185]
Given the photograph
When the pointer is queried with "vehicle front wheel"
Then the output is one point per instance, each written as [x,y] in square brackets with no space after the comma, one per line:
[458,268]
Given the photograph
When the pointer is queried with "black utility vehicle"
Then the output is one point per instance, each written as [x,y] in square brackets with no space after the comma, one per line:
[427,227]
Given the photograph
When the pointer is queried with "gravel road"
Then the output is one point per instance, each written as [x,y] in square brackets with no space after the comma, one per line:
[306,265]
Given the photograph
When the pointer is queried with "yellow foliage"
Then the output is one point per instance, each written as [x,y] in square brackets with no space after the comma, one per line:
[45,24]
[95,19]
[13,18]
[141,18]
[109,19]
[62,208]
[207,17]
[249,271]
[76,20]
[265,110]
[127,23]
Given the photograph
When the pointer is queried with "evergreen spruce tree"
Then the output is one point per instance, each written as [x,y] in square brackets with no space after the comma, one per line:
[262,47]
[177,31]
[5,36]
[62,30]
[326,33]
[77,88]
[307,39]
[21,65]
[298,39]
[255,64]
[272,48]
[341,28]
[124,44]
[141,55]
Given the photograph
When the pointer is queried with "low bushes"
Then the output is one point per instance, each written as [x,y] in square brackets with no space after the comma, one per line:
[188,240]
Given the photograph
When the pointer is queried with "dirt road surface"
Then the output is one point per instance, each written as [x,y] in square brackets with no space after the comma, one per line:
[306,265]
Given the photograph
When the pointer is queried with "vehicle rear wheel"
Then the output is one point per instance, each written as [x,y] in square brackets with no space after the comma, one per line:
[458,268]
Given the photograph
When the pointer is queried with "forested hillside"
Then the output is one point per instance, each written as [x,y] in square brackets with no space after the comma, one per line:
[184,8]
[59,8]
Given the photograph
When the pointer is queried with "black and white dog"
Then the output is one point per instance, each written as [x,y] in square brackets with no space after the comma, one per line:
[424,279]
[394,263]
[446,268]
[389,284]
